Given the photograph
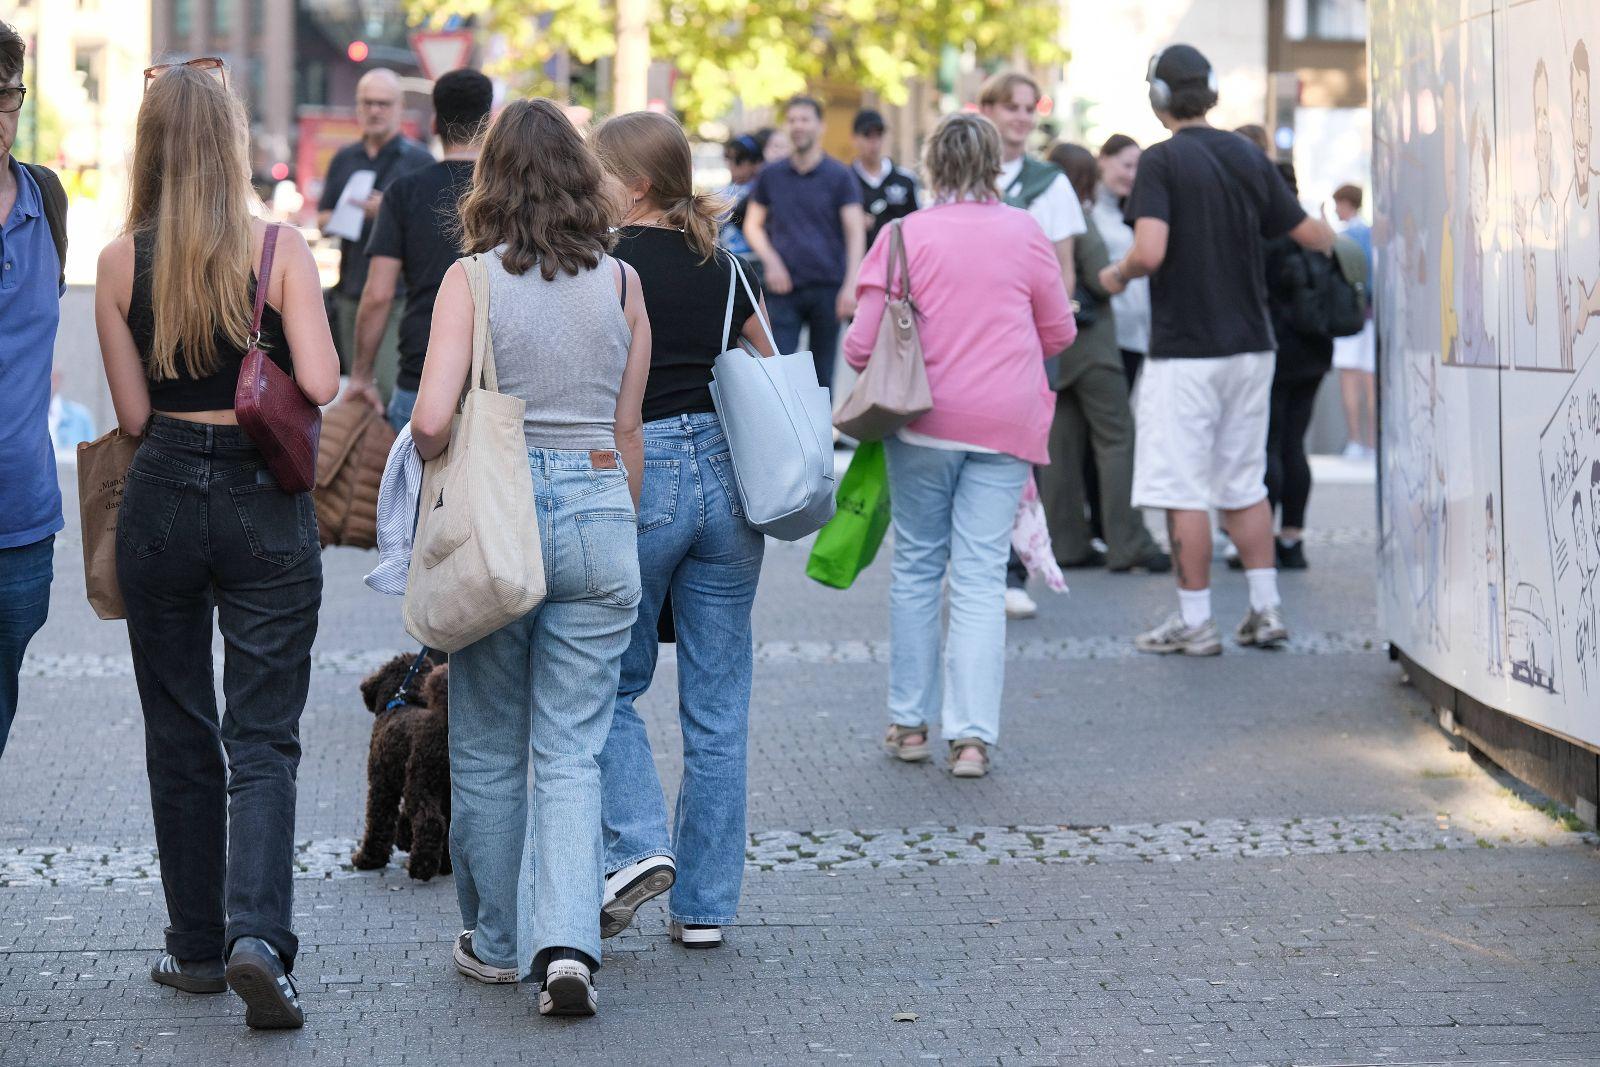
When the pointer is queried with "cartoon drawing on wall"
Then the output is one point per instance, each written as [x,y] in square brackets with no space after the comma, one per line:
[1583,203]
[1542,241]
[1477,346]
[1418,511]
[1445,143]
[1569,456]
[1494,643]
[1530,642]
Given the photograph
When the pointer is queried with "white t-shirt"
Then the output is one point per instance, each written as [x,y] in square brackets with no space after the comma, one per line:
[1056,209]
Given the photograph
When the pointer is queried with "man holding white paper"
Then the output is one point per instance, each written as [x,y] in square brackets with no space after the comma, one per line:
[357,176]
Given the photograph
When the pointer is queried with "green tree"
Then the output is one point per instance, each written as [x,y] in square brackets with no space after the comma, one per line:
[761,51]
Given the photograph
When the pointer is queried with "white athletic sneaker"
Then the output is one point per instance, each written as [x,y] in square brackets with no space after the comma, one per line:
[630,887]
[1019,605]
[695,936]
[1173,636]
[568,988]
[1263,629]
[1355,450]
[468,963]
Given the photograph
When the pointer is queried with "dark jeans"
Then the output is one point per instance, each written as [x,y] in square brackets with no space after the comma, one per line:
[202,526]
[25,573]
[1288,470]
[812,306]
[1131,362]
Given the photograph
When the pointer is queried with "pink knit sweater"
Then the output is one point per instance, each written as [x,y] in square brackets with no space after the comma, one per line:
[989,288]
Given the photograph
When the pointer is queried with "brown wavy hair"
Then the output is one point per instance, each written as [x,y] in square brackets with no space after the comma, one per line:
[537,190]
[191,193]
[652,146]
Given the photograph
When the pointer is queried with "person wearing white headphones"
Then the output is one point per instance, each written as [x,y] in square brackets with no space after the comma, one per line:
[1202,201]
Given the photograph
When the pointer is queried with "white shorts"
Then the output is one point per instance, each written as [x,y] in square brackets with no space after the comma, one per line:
[1358,351]
[1202,432]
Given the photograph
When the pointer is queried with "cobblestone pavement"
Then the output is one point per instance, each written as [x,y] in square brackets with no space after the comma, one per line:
[1267,858]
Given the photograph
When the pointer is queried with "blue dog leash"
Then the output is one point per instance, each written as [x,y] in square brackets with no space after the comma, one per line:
[402,695]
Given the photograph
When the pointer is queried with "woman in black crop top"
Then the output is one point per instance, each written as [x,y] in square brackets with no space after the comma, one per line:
[203,523]
[693,544]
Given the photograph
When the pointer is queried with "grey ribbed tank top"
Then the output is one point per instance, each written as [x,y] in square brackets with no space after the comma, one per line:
[561,347]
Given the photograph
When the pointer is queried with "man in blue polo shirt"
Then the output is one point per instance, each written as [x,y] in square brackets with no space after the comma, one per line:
[806,224]
[31,285]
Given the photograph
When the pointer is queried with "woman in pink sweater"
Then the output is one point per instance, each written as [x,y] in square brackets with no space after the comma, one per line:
[992,306]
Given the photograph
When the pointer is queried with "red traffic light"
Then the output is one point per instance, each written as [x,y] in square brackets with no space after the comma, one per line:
[358,51]
[280,171]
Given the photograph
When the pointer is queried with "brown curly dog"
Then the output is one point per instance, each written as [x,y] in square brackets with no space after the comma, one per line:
[408,769]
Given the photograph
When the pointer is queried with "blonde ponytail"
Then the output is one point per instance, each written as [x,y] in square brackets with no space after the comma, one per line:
[699,216]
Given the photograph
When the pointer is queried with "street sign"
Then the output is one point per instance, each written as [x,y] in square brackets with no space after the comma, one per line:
[441,51]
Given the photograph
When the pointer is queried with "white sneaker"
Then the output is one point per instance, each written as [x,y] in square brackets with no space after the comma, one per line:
[630,887]
[1019,605]
[1355,450]
[568,989]
[696,936]
[468,963]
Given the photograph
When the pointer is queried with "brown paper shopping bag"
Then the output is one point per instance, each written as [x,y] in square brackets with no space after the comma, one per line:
[102,470]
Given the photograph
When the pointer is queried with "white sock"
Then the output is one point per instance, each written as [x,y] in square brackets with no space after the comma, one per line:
[1195,606]
[1288,542]
[1263,588]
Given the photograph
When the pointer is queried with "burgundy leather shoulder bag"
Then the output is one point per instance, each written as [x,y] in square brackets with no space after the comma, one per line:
[278,418]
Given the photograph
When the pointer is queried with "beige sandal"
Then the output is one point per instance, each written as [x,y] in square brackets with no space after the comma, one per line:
[969,768]
[896,743]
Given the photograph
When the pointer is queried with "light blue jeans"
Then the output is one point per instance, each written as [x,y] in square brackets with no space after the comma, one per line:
[952,509]
[693,541]
[544,684]
[401,401]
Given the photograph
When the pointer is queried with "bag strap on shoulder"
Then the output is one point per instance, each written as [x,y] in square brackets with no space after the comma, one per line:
[736,272]
[483,375]
[55,209]
[897,258]
[269,246]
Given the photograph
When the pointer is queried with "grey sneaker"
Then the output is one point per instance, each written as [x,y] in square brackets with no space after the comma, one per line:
[1264,628]
[270,998]
[1173,636]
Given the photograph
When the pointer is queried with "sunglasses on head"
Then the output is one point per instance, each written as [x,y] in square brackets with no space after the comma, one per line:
[212,65]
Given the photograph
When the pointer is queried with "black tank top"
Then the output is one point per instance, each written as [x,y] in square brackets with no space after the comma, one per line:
[215,391]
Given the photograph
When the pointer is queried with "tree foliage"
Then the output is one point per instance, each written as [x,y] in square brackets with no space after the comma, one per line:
[761,51]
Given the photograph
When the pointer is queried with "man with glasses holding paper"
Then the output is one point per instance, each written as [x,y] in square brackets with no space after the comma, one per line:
[33,245]
[357,177]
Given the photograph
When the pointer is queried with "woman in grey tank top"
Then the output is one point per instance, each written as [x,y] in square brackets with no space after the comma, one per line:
[572,341]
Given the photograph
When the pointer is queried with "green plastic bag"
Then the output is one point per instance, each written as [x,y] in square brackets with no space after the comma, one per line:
[849,542]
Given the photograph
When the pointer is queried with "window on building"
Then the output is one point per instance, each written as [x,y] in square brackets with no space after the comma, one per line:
[89,63]
[1325,20]
[182,18]
[222,18]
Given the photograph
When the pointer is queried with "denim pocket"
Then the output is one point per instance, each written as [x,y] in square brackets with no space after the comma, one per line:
[610,545]
[658,503]
[276,523]
[149,506]
[722,466]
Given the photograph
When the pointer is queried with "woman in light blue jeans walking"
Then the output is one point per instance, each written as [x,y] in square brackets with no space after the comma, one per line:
[693,544]
[991,306]
[571,340]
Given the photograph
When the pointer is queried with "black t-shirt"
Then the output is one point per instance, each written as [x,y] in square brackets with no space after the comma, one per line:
[893,198]
[1220,195]
[417,225]
[686,300]
[399,156]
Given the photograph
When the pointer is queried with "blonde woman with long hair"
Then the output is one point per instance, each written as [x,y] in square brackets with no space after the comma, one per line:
[203,523]
[694,547]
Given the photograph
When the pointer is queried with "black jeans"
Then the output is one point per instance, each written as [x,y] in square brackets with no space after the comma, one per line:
[202,526]
[813,306]
[25,574]
[1288,470]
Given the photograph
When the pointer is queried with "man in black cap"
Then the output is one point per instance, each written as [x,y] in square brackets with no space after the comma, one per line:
[888,192]
[1203,200]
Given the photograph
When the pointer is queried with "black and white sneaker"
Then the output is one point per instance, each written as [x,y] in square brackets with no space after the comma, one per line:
[468,963]
[696,935]
[190,976]
[630,887]
[568,987]
[270,998]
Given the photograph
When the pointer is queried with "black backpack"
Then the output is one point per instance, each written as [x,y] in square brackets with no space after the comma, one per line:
[1327,301]
[55,209]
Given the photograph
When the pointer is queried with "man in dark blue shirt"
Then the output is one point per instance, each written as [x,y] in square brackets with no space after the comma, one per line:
[806,224]
[30,293]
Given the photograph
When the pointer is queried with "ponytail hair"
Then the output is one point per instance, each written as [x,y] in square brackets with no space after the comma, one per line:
[653,147]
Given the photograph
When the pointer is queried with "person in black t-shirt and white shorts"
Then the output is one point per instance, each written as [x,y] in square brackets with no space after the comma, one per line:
[888,192]
[1202,201]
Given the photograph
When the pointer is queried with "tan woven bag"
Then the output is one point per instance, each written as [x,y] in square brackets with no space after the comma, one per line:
[476,560]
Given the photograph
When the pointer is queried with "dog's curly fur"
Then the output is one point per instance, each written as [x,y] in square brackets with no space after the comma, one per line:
[408,764]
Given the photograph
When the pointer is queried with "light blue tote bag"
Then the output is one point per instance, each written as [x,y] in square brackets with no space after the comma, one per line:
[779,424]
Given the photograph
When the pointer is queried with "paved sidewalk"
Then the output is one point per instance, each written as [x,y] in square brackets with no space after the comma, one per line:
[1267,858]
